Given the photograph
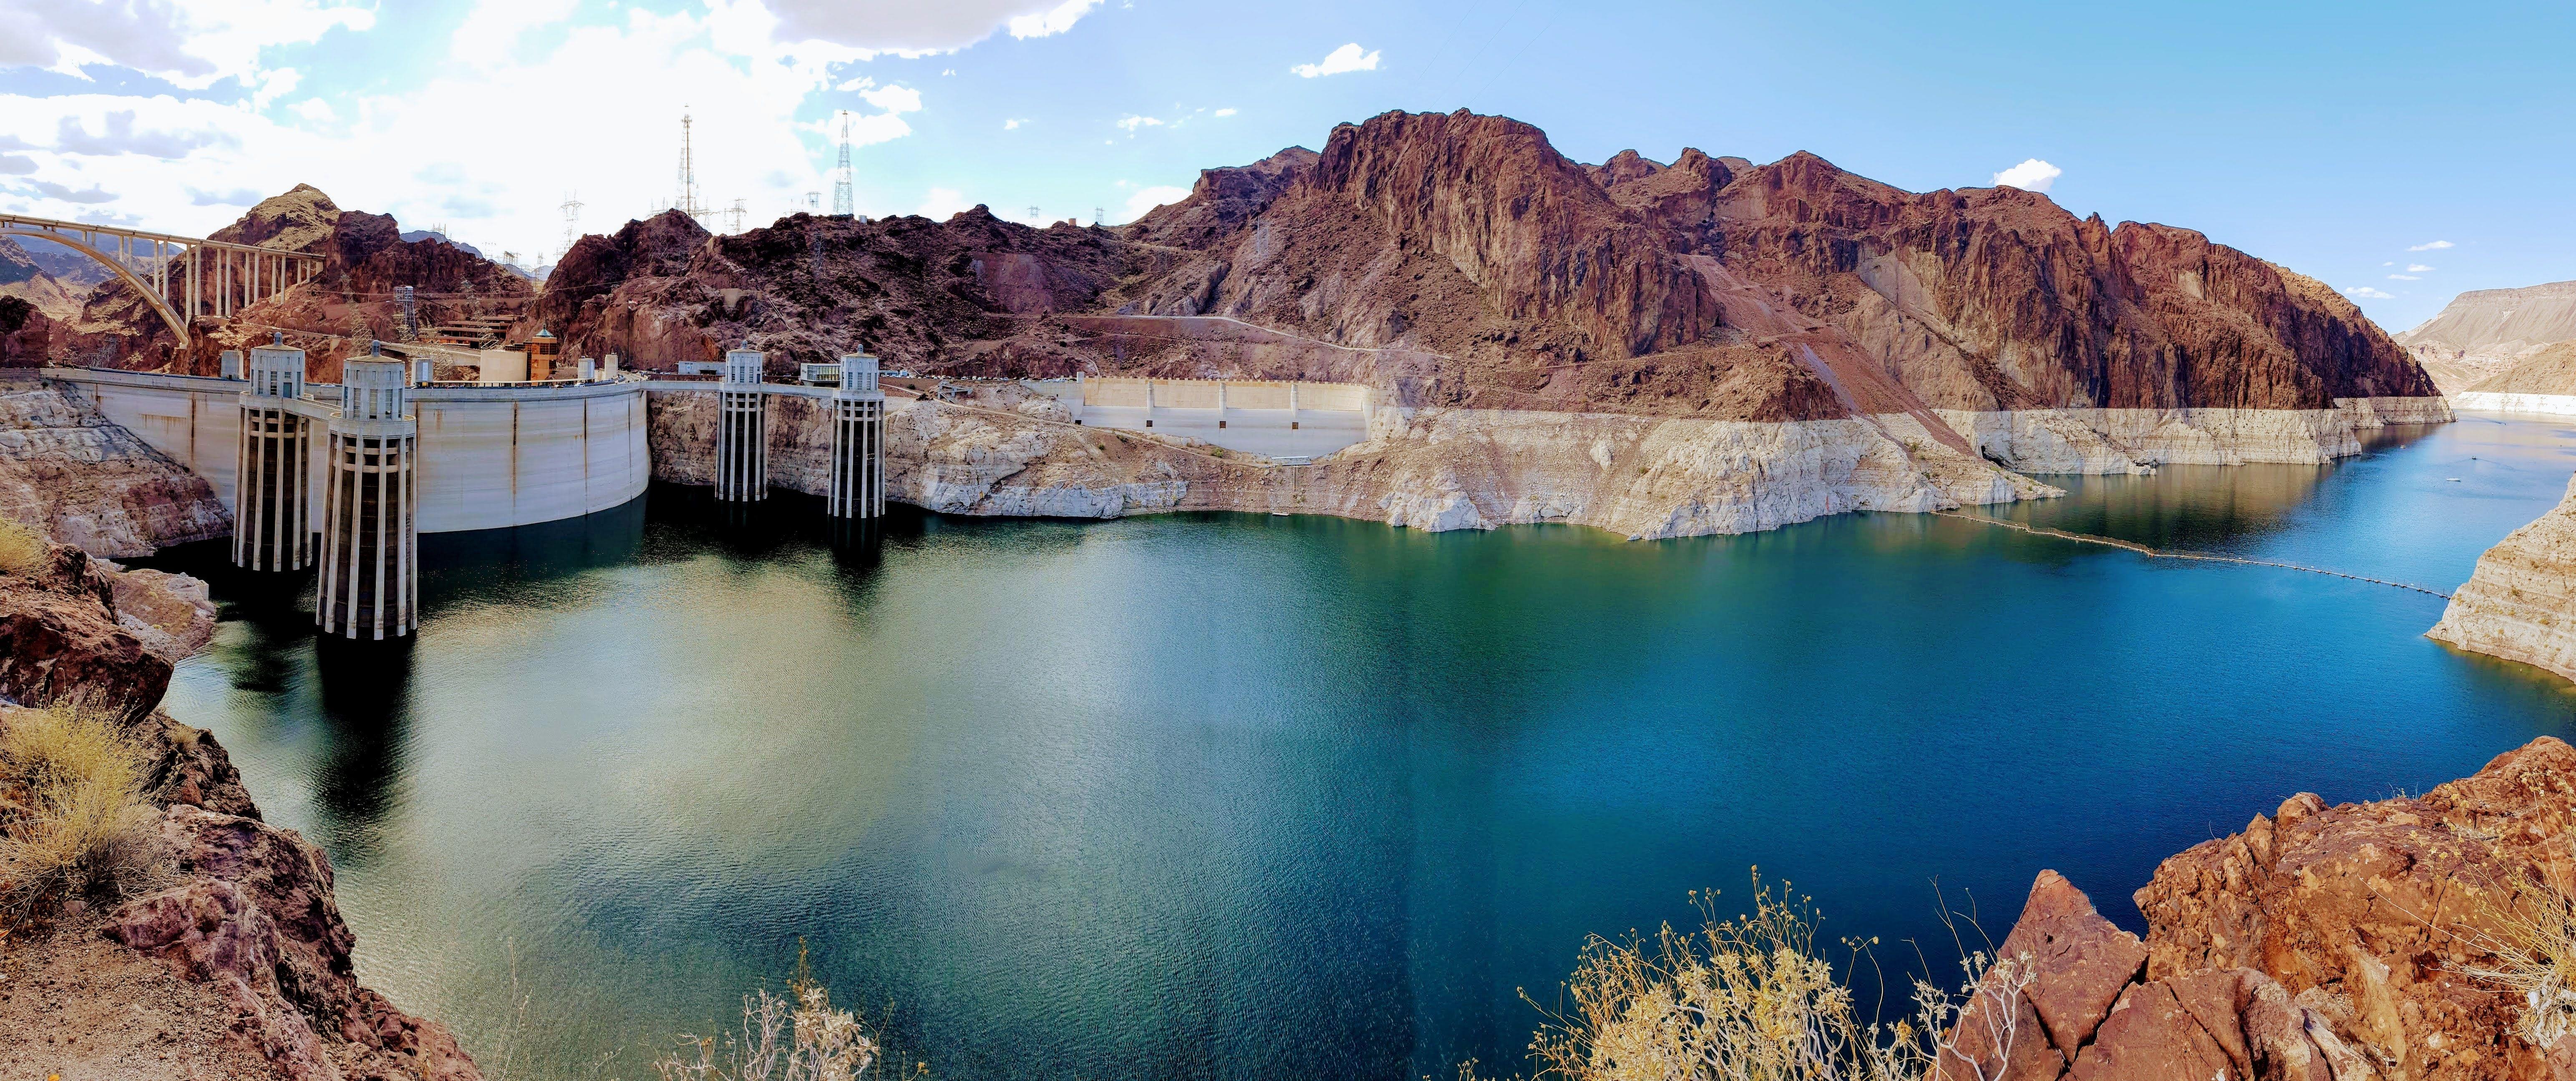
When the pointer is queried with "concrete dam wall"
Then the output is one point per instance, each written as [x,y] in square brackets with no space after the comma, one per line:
[489,457]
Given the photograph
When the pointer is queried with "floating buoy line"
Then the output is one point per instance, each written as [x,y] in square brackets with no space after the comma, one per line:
[2160,553]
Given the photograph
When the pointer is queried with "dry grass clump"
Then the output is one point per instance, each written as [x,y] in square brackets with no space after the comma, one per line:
[1753,998]
[798,1036]
[2533,950]
[22,547]
[73,818]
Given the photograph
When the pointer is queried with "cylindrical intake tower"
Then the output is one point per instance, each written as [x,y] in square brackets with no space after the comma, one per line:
[370,583]
[742,429]
[271,464]
[858,441]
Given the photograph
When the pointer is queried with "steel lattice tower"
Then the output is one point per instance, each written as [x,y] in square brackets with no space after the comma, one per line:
[844,205]
[688,196]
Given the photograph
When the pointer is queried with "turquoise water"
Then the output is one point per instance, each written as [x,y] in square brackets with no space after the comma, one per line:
[1246,796]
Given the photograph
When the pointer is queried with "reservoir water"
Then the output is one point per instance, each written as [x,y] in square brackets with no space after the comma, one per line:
[1232,796]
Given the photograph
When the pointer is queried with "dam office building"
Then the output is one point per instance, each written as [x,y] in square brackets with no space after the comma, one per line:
[343,478]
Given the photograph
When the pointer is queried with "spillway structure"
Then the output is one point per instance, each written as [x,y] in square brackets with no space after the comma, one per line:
[273,464]
[858,441]
[742,429]
[370,580]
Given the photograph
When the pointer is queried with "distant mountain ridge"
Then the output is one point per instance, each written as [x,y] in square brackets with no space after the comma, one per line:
[2483,333]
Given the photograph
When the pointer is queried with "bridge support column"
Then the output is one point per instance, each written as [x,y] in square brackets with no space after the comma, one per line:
[272,461]
[742,430]
[858,441]
[370,583]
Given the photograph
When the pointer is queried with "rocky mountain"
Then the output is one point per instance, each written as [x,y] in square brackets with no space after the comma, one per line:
[76,271]
[1488,288]
[2485,331]
[21,276]
[2317,944]
[331,317]
[2548,370]
[26,334]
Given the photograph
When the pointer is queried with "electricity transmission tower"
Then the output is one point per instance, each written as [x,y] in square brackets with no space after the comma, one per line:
[687,201]
[572,218]
[844,202]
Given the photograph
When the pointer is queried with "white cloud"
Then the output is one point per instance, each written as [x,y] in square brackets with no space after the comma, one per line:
[940,203]
[918,28]
[1223,112]
[1346,58]
[2404,278]
[2416,268]
[2031,175]
[1012,125]
[193,44]
[314,109]
[1144,199]
[893,99]
[490,33]
[2436,245]
[1134,122]
[2369,293]
[1052,21]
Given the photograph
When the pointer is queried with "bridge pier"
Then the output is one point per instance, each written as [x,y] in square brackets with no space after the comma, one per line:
[858,441]
[370,583]
[742,430]
[273,461]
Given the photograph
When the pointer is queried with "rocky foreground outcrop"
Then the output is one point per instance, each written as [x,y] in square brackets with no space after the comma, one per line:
[236,963]
[2318,944]
[2520,603]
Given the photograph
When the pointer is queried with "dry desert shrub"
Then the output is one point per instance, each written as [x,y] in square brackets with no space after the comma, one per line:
[2533,956]
[799,1036]
[22,547]
[73,818]
[1753,999]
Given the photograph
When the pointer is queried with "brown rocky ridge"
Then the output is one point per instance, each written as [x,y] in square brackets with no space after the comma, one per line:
[1618,345]
[2318,944]
[236,964]
[347,304]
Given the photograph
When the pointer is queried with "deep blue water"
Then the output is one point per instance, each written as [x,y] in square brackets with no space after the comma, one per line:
[1246,796]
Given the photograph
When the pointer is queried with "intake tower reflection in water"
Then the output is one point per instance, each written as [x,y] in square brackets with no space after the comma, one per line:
[1233,796]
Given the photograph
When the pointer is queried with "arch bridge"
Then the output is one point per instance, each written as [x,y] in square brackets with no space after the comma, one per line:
[209,277]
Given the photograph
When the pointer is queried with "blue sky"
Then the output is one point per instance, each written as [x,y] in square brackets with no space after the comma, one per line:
[2342,140]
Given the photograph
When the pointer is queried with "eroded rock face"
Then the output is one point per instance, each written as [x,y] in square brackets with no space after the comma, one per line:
[69,471]
[2520,603]
[2324,943]
[1434,469]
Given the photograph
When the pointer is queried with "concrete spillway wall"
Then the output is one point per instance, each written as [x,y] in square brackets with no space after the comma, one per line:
[1261,416]
[489,457]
